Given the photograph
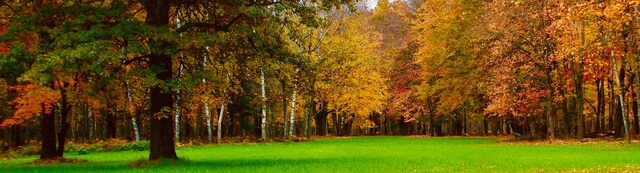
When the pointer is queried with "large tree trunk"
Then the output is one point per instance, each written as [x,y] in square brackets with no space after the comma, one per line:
[64,112]
[161,134]
[48,132]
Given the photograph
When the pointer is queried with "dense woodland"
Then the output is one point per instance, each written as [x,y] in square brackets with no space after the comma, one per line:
[176,71]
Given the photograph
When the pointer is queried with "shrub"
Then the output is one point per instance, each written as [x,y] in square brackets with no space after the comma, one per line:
[93,148]
[9,154]
[82,151]
[72,147]
[137,146]
[30,150]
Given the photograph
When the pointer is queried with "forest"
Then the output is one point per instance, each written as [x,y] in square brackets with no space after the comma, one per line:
[176,72]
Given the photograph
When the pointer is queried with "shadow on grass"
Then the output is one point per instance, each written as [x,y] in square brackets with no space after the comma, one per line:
[172,165]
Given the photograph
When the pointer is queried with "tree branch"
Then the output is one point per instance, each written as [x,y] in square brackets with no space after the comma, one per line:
[224,28]
[144,58]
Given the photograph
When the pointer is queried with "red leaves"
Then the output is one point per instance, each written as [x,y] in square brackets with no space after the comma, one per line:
[4,47]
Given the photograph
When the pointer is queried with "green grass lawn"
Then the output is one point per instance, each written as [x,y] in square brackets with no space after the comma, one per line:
[364,154]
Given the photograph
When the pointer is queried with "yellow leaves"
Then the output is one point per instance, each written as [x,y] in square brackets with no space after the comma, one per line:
[356,85]
[30,102]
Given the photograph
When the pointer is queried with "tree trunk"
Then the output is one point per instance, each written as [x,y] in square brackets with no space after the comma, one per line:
[263,124]
[221,115]
[550,106]
[134,123]
[178,102]
[178,98]
[485,125]
[284,109]
[111,123]
[220,123]
[635,108]
[321,120]
[600,102]
[207,112]
[64,112]
[637,101]
[161,137]
[292,127]
[621,95]
[48,132]
[91,124]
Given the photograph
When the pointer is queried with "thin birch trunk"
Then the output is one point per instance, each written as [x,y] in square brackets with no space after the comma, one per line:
[222,111]
[178,98]
[293,110]
[133,117]
[220,122]
[206,101]
[178,101]
[264,108]
[620,96]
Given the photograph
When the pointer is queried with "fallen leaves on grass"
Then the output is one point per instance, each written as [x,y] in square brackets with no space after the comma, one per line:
[145,163]
[56,160]
[625,168]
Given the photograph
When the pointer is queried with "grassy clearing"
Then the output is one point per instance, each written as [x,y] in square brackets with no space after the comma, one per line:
[362,154]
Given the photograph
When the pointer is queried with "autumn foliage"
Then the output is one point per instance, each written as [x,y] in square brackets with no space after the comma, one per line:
[32,100]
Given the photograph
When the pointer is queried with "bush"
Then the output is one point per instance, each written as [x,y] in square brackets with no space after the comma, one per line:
[30,150]
[93,148]
[9,154]
[72,147]
[112,145]
[82,151]
[137,146]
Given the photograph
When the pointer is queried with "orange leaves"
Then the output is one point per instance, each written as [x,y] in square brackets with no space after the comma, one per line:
[30,101]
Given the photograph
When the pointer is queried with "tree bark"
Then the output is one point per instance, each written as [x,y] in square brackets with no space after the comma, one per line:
[292,127]
[621,95]
[321,120]
[161,127]
[178,98]
[64,112]
[48,132]
[178,102]
[91,124]
[263,124]
[207,112]
[134,122]
[111,123]
[220,123]
[550,106]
